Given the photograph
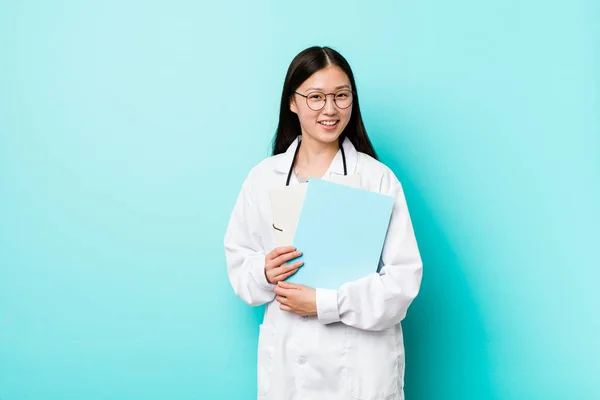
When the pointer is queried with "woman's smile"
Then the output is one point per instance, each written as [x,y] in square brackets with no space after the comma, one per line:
[329,124]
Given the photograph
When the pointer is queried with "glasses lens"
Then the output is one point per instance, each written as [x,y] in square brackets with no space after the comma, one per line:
[343,98]
[315,100]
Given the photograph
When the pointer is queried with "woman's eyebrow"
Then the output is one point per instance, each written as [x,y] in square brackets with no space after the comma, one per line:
[338,87]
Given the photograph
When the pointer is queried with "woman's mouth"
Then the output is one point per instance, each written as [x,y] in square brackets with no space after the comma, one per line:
[329,124]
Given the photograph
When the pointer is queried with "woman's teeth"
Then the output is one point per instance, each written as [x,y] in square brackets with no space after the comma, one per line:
[328,123]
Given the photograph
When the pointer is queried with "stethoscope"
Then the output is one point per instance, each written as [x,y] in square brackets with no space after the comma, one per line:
[287,183]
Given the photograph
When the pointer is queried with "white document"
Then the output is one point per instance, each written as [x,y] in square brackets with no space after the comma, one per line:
[286,204]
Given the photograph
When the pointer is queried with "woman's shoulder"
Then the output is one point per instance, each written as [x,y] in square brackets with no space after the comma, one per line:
[369,163]
[377,173]
[265,168]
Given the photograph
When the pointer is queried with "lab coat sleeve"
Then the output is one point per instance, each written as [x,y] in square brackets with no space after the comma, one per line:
[380,300]
[244,254]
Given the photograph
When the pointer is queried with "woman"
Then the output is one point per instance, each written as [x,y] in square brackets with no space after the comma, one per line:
[319,343]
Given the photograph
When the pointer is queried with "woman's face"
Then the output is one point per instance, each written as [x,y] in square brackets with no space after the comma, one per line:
[327,124]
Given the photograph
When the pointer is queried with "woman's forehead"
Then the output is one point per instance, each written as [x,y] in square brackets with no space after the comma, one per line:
[330,78]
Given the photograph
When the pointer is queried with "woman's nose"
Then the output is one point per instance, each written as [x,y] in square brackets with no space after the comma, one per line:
[329,107]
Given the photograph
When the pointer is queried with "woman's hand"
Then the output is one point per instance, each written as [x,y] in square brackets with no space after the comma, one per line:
[276,268]
[298,299]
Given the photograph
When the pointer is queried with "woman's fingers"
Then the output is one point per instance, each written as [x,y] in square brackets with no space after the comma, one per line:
[286,270]
[276,263]
[281,300]
[280,260]
[284,307]
[276,252]
[286,275]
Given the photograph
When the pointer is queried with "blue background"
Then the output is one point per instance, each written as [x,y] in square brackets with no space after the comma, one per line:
[127,128]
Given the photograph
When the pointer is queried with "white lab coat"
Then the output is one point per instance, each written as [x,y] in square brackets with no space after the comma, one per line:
[353,348]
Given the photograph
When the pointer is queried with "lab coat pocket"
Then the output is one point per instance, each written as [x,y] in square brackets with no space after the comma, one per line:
[266,348]
[371,364]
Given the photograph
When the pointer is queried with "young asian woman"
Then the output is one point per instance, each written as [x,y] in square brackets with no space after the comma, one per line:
[317,343]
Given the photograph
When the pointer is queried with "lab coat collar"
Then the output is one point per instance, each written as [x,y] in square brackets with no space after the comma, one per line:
[337,166]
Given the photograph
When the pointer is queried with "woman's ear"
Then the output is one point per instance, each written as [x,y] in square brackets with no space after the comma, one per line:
[293,106]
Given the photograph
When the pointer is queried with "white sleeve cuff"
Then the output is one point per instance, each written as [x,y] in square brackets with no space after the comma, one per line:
[257,270]
[327,306]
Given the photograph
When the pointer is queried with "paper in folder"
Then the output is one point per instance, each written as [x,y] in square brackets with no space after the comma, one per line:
[341,232]
[286,204]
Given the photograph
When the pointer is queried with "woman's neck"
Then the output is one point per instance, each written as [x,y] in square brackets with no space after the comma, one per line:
[314,158]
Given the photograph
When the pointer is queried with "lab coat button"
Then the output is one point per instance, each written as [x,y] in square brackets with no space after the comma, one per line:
[301,360]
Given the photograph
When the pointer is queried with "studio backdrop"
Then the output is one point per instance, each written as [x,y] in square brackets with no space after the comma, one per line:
[128,127]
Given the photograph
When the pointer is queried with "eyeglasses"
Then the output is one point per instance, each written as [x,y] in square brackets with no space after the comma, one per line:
[316,100]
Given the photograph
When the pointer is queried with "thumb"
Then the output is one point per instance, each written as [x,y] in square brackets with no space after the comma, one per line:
[286,285]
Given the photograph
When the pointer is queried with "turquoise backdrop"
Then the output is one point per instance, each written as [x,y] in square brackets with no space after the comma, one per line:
[127,128]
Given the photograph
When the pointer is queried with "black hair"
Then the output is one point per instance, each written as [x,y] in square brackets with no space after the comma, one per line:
[306,63]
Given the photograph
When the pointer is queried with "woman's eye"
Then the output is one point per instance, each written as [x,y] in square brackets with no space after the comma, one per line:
[316,97]
[342,96]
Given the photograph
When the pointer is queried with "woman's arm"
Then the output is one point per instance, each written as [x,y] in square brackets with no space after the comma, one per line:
[244,254]
[380,300]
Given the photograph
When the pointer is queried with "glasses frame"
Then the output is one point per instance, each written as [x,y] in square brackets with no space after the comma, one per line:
[328,94]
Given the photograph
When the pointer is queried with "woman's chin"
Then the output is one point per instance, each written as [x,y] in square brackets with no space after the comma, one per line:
[325,137]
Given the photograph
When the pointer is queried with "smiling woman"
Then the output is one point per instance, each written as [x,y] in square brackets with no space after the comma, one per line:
[127,128]
[309,335]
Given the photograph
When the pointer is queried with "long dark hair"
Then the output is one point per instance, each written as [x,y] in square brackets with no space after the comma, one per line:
[306,63]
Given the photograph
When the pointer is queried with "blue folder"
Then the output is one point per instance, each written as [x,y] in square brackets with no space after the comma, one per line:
[341,231]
